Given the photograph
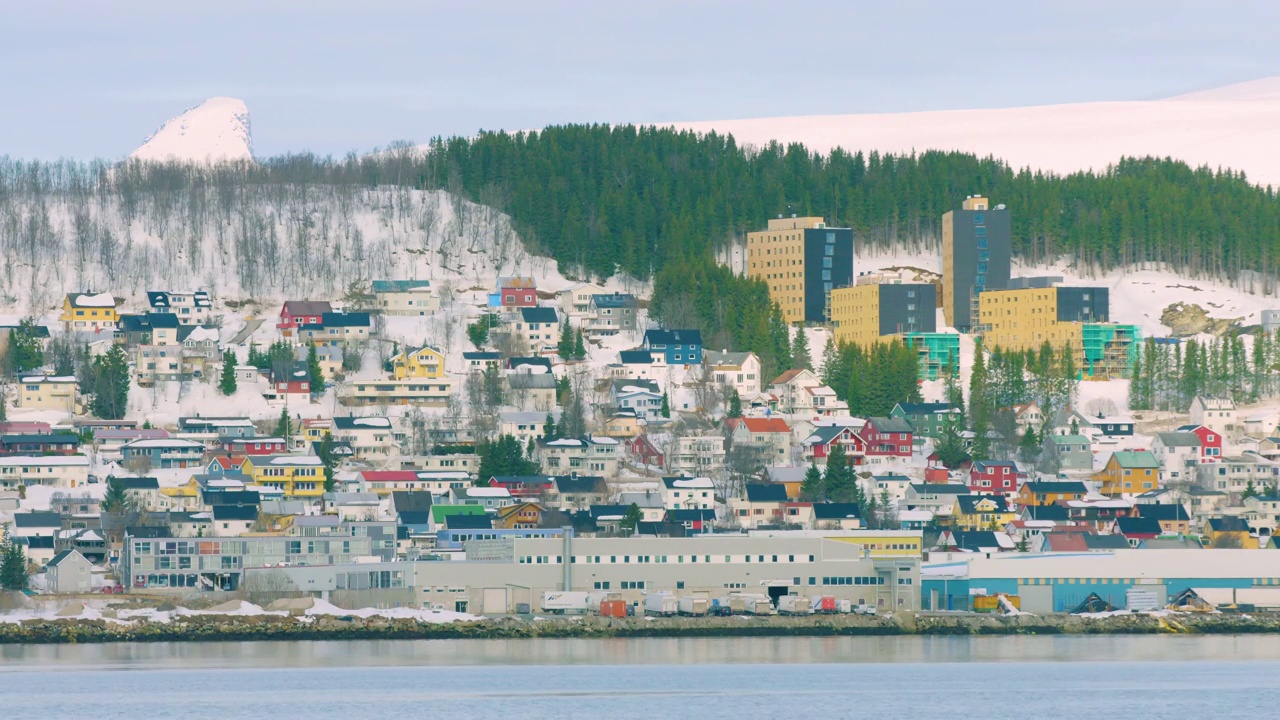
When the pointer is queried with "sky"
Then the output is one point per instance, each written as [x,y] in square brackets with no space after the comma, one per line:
[88,79]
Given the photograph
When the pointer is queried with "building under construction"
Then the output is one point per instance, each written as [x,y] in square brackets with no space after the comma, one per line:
[938,352]
[1034,311]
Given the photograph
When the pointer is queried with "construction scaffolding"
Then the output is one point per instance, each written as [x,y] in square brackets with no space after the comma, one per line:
[936,350]
[1109,350]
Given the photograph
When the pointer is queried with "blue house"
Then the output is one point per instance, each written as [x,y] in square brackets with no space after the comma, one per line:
[679,347]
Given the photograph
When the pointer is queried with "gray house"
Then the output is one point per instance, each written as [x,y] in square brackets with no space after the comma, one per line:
[69,572]
[611,314]
[1071,452]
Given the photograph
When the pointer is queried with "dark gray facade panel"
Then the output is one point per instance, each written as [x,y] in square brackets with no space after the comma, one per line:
[969,229]
[840,274]
[908,308]
[1084,304]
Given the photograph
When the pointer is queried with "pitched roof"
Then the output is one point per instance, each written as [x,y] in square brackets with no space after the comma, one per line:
[414,517]
[673,337]
[1228,524]
[766,492]
[344,319]
[969,503]
[398,286]
[765,425]
[539,315]
[635,357]
[60,557]
[836,511]
[1057,513]
[235,512]
[1168,512]
[982,465]
[615,300]
[787,376]
[307,307]
[137,483]
[975,539]
[890,424]
[1069,440]
[481,355]
[691,515]
[1138,526]
[1060,487]
[923,408]
[1178,439]
[1094,541]
[440,512]
[941,488]
[406,500]
[468,522]
[1135,459]
[516,362]
[566,484]
[530,381]
[37,519]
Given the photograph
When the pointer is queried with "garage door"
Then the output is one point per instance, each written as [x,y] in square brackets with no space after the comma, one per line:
[495,601]
[1036,598]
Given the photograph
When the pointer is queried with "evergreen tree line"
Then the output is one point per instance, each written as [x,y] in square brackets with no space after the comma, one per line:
[839,484]
[872,381]
[1168,376]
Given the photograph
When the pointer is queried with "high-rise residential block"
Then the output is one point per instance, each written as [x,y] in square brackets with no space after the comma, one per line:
[802,261]
[975,258]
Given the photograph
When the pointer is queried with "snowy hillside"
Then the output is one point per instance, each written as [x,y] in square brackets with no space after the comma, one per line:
[286,242]
[1236,127]
[215,130]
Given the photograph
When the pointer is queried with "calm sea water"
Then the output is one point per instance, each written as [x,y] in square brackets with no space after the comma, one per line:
[1042,677]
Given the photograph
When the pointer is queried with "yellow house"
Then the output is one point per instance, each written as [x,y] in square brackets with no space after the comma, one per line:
[89,312]
[981,512]
[622,425]
[1036,493]
[40,392]
[294,475]
[1129,472]
[426,362]
[1230,532]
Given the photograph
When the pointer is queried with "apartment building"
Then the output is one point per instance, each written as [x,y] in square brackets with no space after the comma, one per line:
[976,251]
[866,314]
[802,261]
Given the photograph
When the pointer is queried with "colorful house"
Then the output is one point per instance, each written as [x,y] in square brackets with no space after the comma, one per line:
[887,438]
[236,446]
[817,447]
[1129,472]
[677,347]
[1038,492]
[89,312]
[523,515]
[993,476]
[1210,441]
[294,314]
[927,419]
[1229,532]
[514,292]
[425,362]
[981,512]
[294,475]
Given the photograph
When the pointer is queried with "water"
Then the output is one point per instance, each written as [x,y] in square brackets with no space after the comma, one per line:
[1041,677]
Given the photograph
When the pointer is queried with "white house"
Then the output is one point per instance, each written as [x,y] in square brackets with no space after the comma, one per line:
[586,455]
[369,437]
[698,455]
[577,300]
[738,370]
[58,471]
[697,493]
[523,425]
[1215,413]
[1178,454]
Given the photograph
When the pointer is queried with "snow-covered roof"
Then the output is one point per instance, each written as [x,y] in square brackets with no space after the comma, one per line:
[47,379]
[203,334]
[95,300]
[298,460]
[497,492]
[162,443]
[48,460]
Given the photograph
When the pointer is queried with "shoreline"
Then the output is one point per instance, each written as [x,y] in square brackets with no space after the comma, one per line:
[219,628]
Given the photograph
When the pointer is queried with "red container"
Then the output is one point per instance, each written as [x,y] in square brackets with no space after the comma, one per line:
[613,608]
[826,604]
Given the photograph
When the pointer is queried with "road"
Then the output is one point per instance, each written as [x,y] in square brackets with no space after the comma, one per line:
[250,327]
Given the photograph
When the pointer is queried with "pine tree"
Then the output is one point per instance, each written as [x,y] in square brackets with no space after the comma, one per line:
[315,374]
[838,482]
[800,351]
[1249,491]
[980,409]
[26,347]
[1029,446]
[284,427]
[631,519]
[565,347]
[812,489]
[109,384]
[735,404]
[579,346]
[328,460]
[227,385]
[665,410]
[950,445]
[549,431]
[13,565]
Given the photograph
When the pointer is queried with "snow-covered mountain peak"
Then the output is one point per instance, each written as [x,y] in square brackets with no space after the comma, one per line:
[213,131]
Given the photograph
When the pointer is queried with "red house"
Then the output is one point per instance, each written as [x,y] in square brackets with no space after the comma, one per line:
[1210,442]
[291,381]
[887,437]
[993,477]
[253,445]
[640,448]
[818,446]
[515,292]
[297,313]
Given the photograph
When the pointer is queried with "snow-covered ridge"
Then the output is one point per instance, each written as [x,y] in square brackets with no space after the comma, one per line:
[216,130]
[1235,127]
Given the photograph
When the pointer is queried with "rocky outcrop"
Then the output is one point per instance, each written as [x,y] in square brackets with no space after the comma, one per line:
[1185,320]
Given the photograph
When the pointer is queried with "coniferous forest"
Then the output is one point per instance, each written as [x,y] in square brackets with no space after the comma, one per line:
[658,204]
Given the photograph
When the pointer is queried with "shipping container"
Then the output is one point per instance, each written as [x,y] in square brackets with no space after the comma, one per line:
[595,597]
[613,608]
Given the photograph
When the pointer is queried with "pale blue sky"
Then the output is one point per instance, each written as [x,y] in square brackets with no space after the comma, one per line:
[85,79]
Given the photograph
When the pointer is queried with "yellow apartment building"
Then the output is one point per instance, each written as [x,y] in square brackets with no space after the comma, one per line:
[802,261]
[294,475]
